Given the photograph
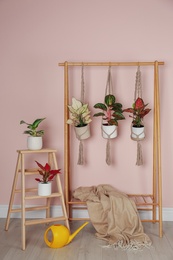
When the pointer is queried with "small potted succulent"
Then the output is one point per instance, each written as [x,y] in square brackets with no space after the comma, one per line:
[111,113]
[34,140]
[79,118]
[138,111]
[47,175]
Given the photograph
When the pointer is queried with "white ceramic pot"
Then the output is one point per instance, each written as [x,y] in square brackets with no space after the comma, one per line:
[109,131]
[44,189]
[137,133]
[34,142]
[82,132]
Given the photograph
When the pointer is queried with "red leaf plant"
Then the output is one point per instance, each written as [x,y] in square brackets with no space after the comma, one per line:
[46,173]
[138,112]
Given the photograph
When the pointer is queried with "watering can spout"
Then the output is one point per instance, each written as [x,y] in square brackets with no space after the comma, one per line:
[76,232]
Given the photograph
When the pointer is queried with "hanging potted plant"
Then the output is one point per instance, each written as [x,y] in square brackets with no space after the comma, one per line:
[35,138]
[79,118]
[111,113]
[138,112]
[45,184]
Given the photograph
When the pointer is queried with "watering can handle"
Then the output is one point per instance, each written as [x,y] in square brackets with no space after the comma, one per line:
[45,237]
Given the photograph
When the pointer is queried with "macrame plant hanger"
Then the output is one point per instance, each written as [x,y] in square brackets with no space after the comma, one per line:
[108,91]
[138,94]
[81,150]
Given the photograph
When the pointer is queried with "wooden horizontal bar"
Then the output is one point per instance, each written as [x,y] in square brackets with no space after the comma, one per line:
[30,209]
[80,208]
[149,63]
[77,202]
[41,221]
[79,218]
[149,220]
[37,151]
[140,195]
[26,190]
[57,194]
[146,204]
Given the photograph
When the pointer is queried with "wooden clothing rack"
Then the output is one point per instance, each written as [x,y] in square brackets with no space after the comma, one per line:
[148,202]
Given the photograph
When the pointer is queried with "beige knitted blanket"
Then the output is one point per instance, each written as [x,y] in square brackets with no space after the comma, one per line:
[114,216]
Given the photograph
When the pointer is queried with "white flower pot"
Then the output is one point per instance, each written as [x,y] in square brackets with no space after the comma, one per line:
[34,142]
[137,133]
[44,189]
[82,132]
[109,131]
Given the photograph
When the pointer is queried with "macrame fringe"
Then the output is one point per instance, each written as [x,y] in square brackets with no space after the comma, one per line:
[81,155]
[108,152]
[133,245]
[139,160]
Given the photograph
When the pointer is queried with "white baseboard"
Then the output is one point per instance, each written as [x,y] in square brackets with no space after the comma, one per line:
[56,211]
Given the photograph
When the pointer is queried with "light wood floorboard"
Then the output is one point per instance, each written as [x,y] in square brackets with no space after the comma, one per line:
[85,246]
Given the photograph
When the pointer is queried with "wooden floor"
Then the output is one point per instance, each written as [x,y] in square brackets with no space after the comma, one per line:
[85,246]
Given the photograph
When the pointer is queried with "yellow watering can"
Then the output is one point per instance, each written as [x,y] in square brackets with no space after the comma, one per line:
[60,235]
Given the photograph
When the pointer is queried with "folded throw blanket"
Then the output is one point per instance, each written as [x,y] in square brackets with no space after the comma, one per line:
[114,216]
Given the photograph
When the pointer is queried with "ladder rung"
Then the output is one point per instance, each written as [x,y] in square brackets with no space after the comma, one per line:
[29,209]
[41,221]
[26,190]
[57,194]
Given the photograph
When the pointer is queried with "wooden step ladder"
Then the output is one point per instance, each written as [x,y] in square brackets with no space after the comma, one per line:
[20,170]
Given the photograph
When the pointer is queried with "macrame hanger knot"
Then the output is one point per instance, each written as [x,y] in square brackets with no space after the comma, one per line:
[109,86]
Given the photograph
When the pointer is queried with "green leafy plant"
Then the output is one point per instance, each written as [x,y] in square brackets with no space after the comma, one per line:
[79,113]
[138,111]
[46,173]
[33,127]
[111,111]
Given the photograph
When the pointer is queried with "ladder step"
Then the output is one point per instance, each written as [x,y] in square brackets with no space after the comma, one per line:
[41,221]
[29,209]
[53,195]
[26,190]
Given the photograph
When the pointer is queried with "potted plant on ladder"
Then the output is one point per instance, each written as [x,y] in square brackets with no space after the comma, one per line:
[35,138]
[45,184]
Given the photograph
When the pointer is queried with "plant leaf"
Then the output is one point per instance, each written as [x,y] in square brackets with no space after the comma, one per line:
[76,104]
[101,106]
[99,114]
[47,167]
[37,179]
[37,122]
[40,165]
[109,100]
[54,172]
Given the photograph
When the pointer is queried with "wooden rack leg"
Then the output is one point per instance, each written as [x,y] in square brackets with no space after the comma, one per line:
[12,192]
[23,202]
[61,191]
[159,152]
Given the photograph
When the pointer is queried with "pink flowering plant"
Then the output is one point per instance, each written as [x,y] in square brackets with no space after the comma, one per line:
[111,110]
[138,111]
[46,173]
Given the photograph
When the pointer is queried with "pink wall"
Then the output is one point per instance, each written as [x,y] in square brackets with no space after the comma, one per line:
[37,35]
